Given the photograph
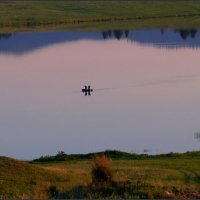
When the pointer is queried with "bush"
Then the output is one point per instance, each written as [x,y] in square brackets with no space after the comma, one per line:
[101,169]
[53,191]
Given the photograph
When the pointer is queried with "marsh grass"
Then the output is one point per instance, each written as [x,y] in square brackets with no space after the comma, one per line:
[163,176]
[160,177]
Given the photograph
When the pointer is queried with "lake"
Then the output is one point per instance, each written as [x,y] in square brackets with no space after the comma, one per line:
[146,91]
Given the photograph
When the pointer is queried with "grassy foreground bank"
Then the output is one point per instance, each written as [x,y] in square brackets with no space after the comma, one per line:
[165,176]
[97,14]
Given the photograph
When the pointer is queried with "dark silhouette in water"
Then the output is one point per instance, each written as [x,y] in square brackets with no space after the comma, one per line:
[87,90]
[116,33]
[193,33]
[126,33]
[185,33]
[105,34]
[197,135]
[109,33]
[5,35]
[162,31]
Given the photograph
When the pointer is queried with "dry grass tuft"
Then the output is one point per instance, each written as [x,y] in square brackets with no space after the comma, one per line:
[101,169]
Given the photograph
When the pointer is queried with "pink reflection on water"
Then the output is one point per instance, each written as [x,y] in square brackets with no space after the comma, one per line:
[155,96]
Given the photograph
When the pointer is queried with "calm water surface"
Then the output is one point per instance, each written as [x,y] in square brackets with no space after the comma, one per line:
[146,91]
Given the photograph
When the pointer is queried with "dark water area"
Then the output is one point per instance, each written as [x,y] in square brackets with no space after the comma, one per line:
[144,91]
[19,43]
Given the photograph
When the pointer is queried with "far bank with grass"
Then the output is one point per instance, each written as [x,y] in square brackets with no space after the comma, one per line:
[98,14]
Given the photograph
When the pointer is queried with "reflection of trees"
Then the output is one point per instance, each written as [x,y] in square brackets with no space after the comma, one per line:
[197,135]
[107,34]
[116,33]
[126,33]
[185,33]
[5,35]
[104,34]
[193,33]
[162,31]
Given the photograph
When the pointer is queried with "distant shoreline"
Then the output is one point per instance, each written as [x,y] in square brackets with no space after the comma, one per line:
[97,15]
[116,155]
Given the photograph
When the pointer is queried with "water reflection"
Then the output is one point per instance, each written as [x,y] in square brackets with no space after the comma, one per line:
[5,36]
[154,104]
[118,34]
[197,135]
[20,43]
[185,33]
[164,38]
[155,95]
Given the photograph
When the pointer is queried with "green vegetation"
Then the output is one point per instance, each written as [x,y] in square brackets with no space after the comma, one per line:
[113,154]
[97,14]
[162,176]
[62,156]
[19,179]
